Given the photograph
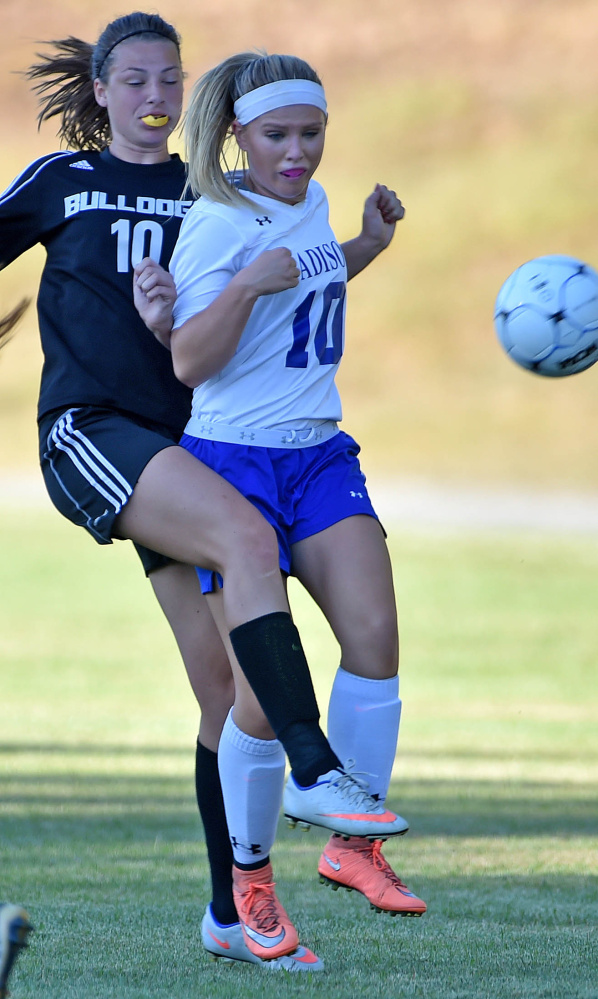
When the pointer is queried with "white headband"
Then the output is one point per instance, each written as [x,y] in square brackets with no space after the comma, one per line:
[281,94]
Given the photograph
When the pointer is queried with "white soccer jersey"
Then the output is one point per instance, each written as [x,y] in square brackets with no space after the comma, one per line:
[282,374]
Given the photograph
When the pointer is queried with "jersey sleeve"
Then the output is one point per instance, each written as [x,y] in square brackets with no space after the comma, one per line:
[208,253]
[24,210]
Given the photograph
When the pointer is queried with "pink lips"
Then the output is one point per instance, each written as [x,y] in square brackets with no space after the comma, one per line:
[293,174]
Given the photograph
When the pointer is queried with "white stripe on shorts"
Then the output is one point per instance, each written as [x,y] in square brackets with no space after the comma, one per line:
[91,463]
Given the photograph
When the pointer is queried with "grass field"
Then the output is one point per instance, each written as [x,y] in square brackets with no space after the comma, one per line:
[497,770]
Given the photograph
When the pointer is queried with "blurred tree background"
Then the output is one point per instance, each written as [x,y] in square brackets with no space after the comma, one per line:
[483,115]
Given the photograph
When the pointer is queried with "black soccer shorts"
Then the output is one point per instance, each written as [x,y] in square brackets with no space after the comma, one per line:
[91,459]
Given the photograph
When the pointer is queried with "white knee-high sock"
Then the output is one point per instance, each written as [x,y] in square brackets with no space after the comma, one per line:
[363,725]
[252,778]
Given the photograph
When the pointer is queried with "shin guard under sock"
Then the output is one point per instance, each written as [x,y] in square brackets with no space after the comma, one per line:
[271,656]
[252,779]
[363,725]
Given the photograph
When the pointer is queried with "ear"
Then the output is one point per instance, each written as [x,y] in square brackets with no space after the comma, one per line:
[99,90]
[238,131]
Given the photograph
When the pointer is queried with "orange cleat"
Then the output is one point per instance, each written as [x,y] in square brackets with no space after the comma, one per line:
[267,930]
[358,865]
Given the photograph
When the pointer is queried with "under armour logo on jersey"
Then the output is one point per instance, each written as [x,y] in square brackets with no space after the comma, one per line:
[81,165]
[263,220]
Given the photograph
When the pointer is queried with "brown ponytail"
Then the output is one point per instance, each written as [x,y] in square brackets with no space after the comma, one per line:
[64,78]
[65,88]
[10,320]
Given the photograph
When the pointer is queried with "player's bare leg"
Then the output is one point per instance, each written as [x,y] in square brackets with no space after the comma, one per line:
[206,661]
[182,509]
[347,570]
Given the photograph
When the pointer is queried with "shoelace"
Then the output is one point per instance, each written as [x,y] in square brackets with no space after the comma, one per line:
[382,864]
[263,905]
[353,784]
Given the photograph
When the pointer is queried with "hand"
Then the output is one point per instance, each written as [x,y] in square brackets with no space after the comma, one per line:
[271,272]
[154,295]
[381,213]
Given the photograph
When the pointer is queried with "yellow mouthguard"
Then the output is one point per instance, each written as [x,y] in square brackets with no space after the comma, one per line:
[155,120]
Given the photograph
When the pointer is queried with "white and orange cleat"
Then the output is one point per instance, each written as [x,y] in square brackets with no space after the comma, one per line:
[227,943]
[339,801]
[358,865]
[267,929]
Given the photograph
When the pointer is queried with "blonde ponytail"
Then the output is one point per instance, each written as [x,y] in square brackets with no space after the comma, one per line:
[211,114]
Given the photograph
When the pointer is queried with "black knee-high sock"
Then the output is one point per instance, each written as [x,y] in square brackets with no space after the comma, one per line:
[220,854]
[271,656]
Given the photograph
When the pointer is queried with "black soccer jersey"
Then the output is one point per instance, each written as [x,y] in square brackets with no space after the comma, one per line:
[97,216]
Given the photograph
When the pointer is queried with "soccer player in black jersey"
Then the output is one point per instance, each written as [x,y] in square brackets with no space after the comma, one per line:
[111,411]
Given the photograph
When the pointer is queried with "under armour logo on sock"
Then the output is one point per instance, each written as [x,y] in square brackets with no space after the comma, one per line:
[253,848]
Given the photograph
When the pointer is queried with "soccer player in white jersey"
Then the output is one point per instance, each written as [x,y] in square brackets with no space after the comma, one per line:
[258,332]
[111,412]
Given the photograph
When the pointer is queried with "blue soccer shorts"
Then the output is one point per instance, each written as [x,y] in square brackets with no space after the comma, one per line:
[300,492]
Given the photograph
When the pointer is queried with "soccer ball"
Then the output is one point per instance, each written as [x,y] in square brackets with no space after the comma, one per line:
[546,316]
